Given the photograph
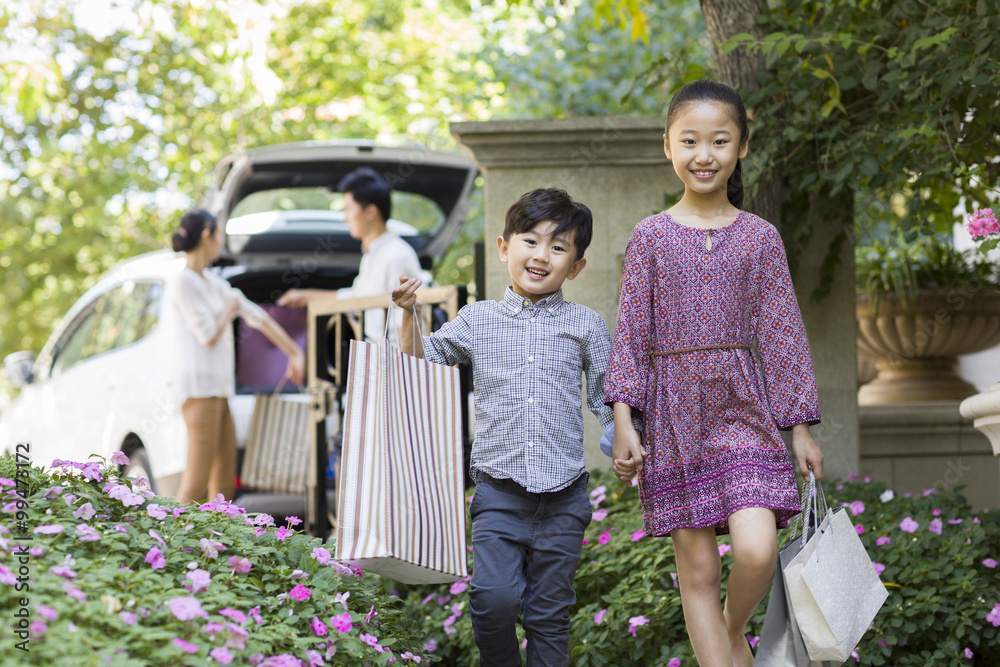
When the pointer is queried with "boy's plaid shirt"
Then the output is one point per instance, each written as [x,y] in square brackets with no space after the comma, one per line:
[528,361]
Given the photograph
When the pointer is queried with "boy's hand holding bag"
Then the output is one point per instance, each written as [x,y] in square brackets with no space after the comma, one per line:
[401,502]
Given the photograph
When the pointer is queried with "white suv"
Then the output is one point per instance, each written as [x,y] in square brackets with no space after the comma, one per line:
[94,387]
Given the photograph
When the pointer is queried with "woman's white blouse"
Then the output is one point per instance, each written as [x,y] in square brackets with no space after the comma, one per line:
[194,302]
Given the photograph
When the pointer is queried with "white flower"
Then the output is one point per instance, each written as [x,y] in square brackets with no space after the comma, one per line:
[887,495]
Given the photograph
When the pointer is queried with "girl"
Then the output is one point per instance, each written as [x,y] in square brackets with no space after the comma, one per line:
[701,281]
[200,308]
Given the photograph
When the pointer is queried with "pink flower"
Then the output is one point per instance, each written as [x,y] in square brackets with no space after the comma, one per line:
[371,640]
[211,548]
[341,622]
[599,616]
[74,592]
[200,580]
[860,529]
[239,564]
[409,656]
[321,554]
[458,587]
[221,655]
[85,512]
[293,520]
[638,535]
[879,568]
[127,617]
[157,512]
[600,515]
[87,533]
[62,571]
[908,525]
[635,622]
[857,507]
[234,614]
[185,646]
[156,536]
[936,512]
[282,533]
[724,549]
[882,541]
[994,616]
[674,662]
[186,608]
[935,526]
[49,529]
[48,613]
[155,558]
[318,627]
[119,459]
[989,562]
[604,538]
[968,654]
[300,593]
[430,645]
[981,223]
[38,628]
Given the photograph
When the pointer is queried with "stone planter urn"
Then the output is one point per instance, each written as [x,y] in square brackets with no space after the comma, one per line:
[916,346]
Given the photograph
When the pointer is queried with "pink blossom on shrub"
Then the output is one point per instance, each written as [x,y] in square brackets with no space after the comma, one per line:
[981,223]
[635,622]
[127,617]
[458,587]
[994,616]
[38,627]
[157,512]
[177,511]
[674,662]
[85,512]
[908,525]
[638,535]
[200,580]
[406,655]
[47,612]
[237,637]
[185,646]
[857,507]
[935,526]
[724,549]
[87,533]
[341,622]
[282,534]
[283,660]
[234,614]
[240,565]
[74,592]
[882,541]
[48,529]
[600,515]
[599,616]
[321,555]
[186,608]
[62,571]
[860,529]
[604,538]
[316,660]
[124,494]
[968,654]
[52,492]
[371,640]
[255,615]
[211,548]
[300,593]
[293,520]
[221,655]
[879,568]
[156,536]
[119,459]
[318,627]
[155,558]
[989,562]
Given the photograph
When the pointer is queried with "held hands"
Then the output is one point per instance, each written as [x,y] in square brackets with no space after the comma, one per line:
[627,452]
[807,452]
[405,296]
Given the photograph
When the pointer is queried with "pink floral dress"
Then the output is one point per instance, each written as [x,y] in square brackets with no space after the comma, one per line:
[711,416]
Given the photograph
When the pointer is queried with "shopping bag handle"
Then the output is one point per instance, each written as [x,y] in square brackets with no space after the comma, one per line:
[281,385]
[417,329]
[814,508]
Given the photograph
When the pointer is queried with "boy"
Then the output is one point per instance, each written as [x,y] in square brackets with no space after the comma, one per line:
[528,353]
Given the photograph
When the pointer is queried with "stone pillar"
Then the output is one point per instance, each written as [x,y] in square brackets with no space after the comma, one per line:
[616,166]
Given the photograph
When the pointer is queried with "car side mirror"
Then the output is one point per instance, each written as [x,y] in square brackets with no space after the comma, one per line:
[18,367]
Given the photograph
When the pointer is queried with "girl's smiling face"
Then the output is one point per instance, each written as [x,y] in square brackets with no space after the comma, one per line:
[703,142]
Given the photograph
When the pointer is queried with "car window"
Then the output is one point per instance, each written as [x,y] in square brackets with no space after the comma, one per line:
[116,318]
[413,209]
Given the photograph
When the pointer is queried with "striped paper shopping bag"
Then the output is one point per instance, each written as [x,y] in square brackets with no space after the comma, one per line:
[401,502]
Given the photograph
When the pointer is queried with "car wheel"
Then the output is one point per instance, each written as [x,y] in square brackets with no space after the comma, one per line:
[138,464]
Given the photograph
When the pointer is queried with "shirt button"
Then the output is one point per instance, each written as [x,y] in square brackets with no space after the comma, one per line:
[532,319]
[531,400]
[527,302]
[530,358]
[531,444]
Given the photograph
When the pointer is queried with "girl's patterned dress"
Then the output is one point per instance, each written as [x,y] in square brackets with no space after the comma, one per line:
[710,416]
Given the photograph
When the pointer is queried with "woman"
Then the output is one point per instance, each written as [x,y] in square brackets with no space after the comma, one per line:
[201,307]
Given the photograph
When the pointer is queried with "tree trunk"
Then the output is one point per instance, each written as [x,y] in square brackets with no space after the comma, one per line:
[726,18]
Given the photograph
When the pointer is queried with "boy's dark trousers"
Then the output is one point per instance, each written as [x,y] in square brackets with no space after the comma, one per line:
[526,548]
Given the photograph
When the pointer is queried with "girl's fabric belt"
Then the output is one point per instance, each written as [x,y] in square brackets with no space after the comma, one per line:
[685,350]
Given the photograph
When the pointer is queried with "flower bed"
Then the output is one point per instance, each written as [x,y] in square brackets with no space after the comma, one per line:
[95,570]
[937,558]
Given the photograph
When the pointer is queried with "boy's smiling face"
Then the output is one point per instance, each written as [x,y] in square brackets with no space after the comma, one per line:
[539,263]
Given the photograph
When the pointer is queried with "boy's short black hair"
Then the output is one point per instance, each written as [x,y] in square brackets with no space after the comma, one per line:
[367,187]
[554,205]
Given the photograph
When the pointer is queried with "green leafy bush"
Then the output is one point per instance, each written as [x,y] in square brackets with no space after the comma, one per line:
[944,586]
[102,572]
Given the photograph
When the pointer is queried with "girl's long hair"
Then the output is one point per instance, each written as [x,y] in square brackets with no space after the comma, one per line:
[706,90]
[187,236]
